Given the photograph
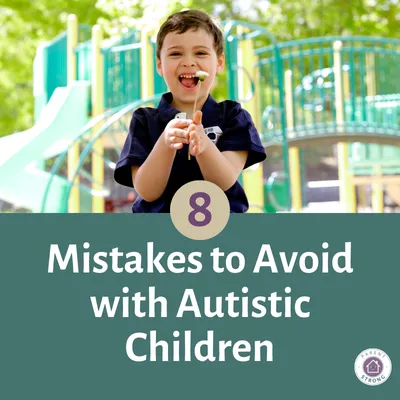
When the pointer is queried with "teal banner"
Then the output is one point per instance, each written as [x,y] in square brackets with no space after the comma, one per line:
[280,306]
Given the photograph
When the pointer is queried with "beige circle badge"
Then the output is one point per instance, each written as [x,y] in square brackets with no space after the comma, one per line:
[200,210]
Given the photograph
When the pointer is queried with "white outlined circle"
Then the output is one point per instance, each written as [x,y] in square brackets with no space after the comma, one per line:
[373,367]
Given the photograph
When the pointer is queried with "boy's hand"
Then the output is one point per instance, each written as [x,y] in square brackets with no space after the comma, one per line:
[176,134]
[198,139]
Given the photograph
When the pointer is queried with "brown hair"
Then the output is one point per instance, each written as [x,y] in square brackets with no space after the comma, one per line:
[183,21]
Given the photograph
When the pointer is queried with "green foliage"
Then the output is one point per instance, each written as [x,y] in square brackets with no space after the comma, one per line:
[23,25]
[292,19]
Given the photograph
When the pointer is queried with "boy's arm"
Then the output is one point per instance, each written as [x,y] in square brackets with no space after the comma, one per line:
[151,178]
[221,168]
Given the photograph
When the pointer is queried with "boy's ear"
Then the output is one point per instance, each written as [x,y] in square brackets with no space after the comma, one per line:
[220,63]
[158,66]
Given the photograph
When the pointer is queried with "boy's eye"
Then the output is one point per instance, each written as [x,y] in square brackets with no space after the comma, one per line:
[176,53]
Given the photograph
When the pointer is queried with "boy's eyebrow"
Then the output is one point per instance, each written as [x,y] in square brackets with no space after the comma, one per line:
[180,47]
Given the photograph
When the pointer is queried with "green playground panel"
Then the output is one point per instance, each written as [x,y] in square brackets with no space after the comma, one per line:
[54,62]
[84,61]
[159,83]
[121,69]
[365,157]
[383,113]
[387,75]
[122,62]
[122,83]
[49,71]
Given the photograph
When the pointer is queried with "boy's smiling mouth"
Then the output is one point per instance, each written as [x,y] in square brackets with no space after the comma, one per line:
[189,81]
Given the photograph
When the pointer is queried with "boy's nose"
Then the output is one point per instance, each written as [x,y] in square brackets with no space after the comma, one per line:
[189,63]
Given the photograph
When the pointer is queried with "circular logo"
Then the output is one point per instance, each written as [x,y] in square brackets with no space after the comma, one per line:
[373,367]
[200,210]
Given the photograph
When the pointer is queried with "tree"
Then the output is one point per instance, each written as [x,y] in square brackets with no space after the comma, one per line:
[291,19]
[23,25]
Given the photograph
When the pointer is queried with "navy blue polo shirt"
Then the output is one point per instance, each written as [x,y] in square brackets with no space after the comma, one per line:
[227,122]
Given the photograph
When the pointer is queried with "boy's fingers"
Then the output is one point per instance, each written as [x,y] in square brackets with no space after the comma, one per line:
[175,139]
[181,123]
[178,132]
[194,151]
[197,117]
[192,127]
[194,143]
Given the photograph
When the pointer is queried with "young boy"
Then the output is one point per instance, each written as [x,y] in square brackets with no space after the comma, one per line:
[221,138]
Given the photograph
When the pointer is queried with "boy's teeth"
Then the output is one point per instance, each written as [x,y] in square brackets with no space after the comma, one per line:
[189,81]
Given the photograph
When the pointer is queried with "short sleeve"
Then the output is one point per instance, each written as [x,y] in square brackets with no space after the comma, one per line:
[136,149]
[240,133]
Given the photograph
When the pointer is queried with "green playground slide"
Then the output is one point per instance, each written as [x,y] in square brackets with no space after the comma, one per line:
[22,178]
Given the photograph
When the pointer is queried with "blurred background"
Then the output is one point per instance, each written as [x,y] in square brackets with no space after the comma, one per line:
[320,78]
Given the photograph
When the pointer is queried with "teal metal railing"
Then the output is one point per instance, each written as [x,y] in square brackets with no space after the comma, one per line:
[313,83]
[371,94]
[122,83]
[113,127]
[270,89]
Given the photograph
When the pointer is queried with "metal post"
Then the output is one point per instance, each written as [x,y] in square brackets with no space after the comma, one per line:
[73,152]
[377,192]
[98,109]
[346,189]
[252,177]
[147,64]
[285,151]
[294,154]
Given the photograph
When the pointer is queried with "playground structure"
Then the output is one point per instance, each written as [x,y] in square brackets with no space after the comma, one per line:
[337,90]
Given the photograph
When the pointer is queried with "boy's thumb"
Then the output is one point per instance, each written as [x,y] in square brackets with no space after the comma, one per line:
[197,117]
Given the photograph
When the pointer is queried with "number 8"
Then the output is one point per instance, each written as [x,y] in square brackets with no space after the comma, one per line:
[197,209]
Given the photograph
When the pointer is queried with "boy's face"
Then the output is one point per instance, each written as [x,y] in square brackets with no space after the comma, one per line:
[181,56]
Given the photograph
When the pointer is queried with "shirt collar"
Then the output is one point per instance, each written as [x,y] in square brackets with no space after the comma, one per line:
[211,110]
